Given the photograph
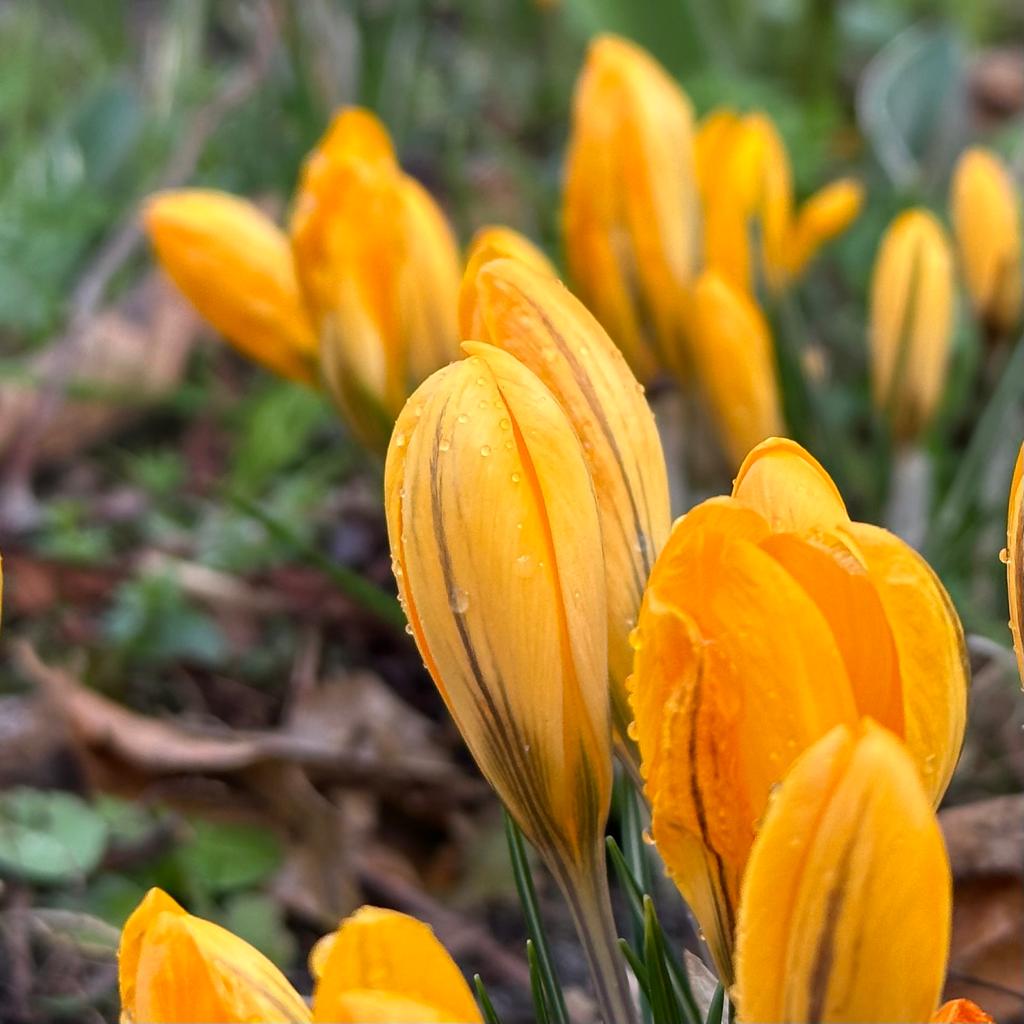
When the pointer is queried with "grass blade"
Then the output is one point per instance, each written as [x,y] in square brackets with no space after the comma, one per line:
[551,986]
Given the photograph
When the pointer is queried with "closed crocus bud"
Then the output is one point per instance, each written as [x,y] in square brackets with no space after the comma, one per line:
[380,271]
[770,617]
[1015,560]
[235,266]
[734,364]
[496,540]
[911,321]
[987,223]
[382,967]
[174,968]
[534,318]
[845,913]
[630,212]
[497,549]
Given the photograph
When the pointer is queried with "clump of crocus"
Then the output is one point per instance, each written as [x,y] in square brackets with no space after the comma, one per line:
[746,192]
[379,966]
[733,358]
[986,213]
[496,540]
[630,213]
[531,316]
[846,899]
[911,322]
[359,296]
[771,617]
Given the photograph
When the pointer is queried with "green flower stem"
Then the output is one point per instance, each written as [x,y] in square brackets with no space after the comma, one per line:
[586,891]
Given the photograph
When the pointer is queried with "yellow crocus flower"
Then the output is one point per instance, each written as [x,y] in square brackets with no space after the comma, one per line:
[235,266]
[746,186]
[911,321]
[630,212]
[379,966]
[986,214]
[734,364]
[175,969]
[380,271]
[533,317]
[361,298]
[846,900]
[496,544]
[1015,560]
[770,617]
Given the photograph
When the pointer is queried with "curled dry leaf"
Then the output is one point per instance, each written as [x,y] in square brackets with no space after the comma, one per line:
[105,729]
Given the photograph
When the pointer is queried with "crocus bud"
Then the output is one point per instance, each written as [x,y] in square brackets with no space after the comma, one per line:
[175,968]
[534,318]
[1015,560]
[386,967]
[496,540]
[987,223]
[734,364]
[235,266]
[746,186]
[845,913]
[496,543]
[911,321]
[380,271]
[630,212]
[769,618]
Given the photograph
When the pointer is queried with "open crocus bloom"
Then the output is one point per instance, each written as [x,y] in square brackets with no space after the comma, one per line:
[771,617]
[746,188]
[379,966]
[358,295]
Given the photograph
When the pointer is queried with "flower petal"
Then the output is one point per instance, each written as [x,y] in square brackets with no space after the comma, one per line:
[788,486]
[235,266]
[380,962]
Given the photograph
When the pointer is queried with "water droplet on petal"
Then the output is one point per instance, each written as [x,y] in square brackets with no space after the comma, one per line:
[408,628]
[524,565]
[504,423]
[481,381]
[1004,556]
[458,599]
[443,445]
[516,477]
[462,418]
[485,450]
[400,439]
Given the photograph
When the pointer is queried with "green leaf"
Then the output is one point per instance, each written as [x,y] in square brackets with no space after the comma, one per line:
[49,837]
[538,945]
[909,97]
[226,856]
[257,919]
[717,1007]
[486,1006]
